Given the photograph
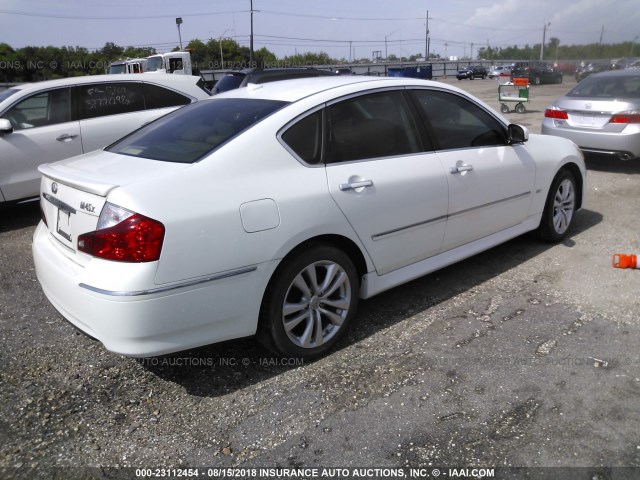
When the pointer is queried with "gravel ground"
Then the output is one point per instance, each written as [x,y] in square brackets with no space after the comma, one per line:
[523,356]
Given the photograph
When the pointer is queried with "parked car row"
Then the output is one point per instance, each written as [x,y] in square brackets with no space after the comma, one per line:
[535,72]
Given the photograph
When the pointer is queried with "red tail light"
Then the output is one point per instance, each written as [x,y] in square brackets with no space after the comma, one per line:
[555,113]
[625,118]
[135,239]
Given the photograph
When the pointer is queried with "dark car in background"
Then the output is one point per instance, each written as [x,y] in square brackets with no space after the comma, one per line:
[241,78]
[471,72]
[583,72]
[536,72]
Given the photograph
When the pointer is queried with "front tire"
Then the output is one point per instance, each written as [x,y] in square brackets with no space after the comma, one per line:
[309,303]
[559,208]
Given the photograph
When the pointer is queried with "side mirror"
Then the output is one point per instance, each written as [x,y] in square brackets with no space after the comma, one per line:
[5,126]
[517,134]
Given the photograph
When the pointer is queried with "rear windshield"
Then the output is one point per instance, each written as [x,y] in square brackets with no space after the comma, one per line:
[608,87]
[190,133]
[7,93]
[228,82]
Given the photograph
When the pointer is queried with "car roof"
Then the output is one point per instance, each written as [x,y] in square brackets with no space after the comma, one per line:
[160,78]
[296,89]
[627,72]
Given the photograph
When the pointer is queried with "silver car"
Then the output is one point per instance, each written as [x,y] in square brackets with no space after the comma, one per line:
[500,71]
[48,121]
[601,114]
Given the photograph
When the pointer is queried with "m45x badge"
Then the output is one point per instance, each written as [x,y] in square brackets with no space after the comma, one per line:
[87,207]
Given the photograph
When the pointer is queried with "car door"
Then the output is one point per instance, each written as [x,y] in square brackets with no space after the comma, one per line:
[45,131]
[389,185]
[110,110]
[490,181]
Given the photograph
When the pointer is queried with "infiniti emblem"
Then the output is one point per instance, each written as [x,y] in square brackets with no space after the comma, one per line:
[54,187]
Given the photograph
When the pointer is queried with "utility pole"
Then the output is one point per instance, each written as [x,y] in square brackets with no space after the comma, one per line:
[251,36]
[544,34]
[426,40]
[178,23]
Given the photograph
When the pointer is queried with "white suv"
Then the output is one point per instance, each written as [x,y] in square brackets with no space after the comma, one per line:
[49,121]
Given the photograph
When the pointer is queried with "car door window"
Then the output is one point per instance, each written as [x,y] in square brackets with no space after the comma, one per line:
[371,126]
[160,97]
[102,99]
[455,122]
[42,109]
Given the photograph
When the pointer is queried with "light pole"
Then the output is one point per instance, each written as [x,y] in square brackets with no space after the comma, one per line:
[544,34]
[251,36]
[220,44]
[178,23]
[386,53]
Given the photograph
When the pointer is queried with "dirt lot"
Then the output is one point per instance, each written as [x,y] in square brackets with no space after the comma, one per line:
[523,356]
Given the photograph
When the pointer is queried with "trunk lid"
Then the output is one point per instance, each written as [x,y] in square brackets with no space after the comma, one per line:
[74,191]
[594,115]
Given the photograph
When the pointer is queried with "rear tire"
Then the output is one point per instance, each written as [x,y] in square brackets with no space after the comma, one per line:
[559,208]
[309,303]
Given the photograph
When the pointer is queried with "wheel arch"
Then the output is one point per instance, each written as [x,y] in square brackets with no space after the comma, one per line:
[341,242]
[577,175]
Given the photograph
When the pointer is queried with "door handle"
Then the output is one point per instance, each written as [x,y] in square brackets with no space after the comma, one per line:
[461,168]
[353,185]
[66,136]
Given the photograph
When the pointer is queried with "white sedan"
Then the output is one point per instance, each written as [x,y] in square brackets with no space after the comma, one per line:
[44,122]
[271,210]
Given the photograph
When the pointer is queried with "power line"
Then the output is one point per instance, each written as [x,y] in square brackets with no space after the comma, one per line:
[128,17]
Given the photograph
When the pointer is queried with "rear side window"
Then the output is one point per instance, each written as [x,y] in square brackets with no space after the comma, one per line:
[42,109]
[305,138]
[190,133]
[102,99]
[160,97]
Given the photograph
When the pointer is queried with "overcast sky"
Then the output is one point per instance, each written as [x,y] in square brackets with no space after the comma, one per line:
[341,28]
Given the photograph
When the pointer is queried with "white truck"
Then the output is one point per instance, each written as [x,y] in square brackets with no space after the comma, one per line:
[178,63]
[130,65]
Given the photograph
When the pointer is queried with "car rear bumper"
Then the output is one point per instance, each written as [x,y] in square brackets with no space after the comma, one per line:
[143,324]
[624,144]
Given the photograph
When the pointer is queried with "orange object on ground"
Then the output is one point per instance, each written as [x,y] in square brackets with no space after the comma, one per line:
[625,261]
